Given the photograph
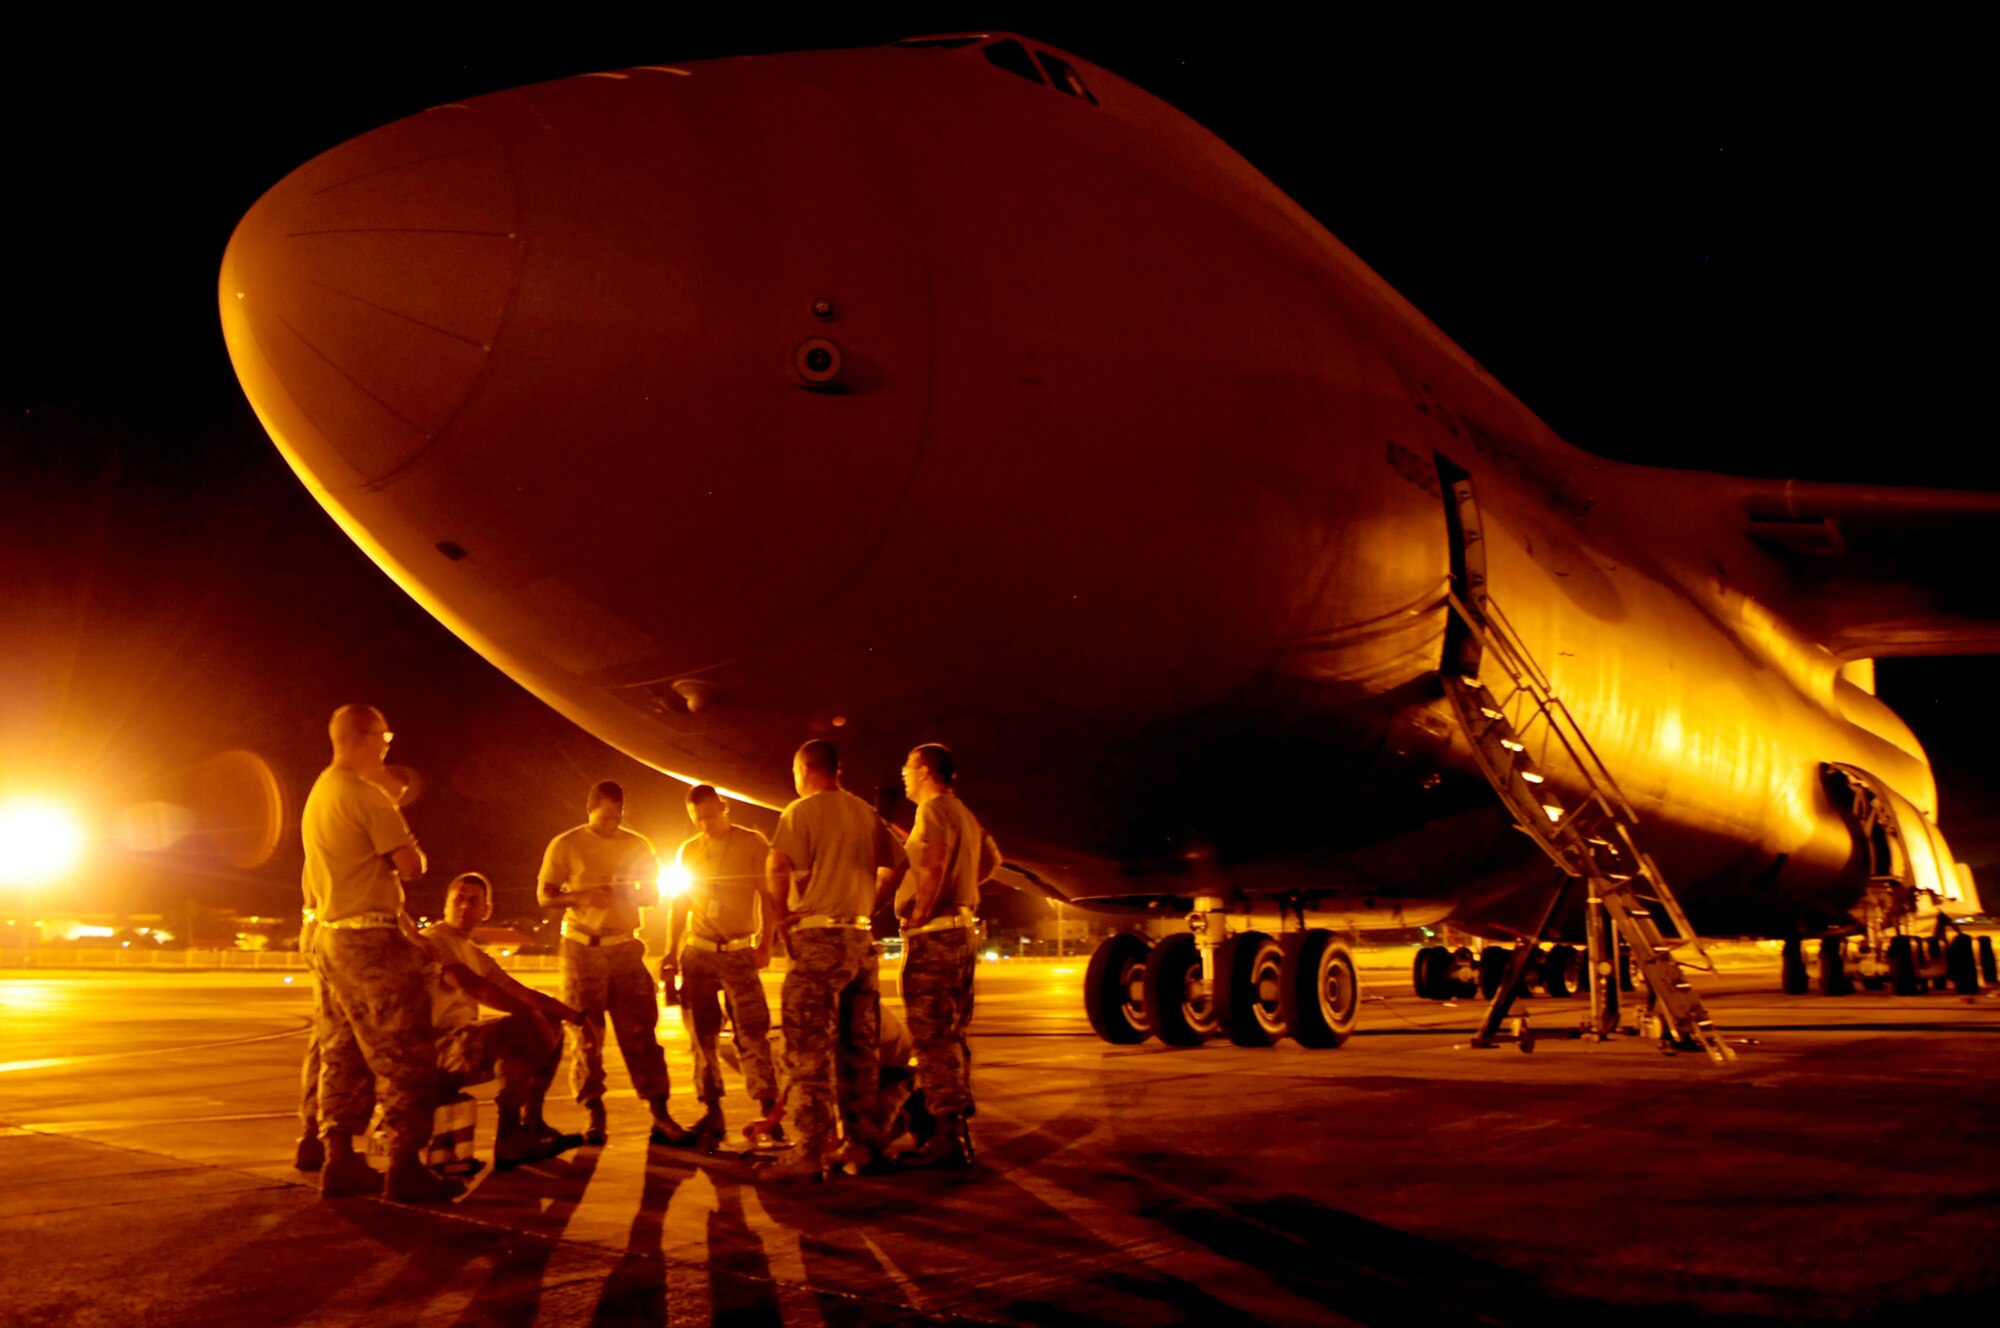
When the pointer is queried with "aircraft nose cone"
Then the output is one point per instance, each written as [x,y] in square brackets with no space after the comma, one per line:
[362,295]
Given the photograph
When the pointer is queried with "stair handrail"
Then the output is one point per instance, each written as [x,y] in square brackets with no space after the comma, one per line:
[1671,902]
[1493,630]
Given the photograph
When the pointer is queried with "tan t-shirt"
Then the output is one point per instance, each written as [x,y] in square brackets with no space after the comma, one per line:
[350,827]
[726,881]
[580,859]
[947,821]
[450,1007]
[835,842]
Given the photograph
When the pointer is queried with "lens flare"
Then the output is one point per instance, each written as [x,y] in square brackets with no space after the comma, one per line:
[674,881]
[39,842]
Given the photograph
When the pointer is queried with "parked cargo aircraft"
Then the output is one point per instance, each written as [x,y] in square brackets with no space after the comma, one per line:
[960,390]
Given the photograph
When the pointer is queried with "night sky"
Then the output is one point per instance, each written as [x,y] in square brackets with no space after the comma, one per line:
[1700,246]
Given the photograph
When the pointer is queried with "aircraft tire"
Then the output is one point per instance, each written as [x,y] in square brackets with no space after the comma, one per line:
[1962,966]
[1493,961]
[1178,1018]
[1987,968]
[1320,991]
[1249,972]
[1902,956]
[1833,979]
[1560,971]
[1792,967]
[1430,974]
[1117,963]
[1460,988]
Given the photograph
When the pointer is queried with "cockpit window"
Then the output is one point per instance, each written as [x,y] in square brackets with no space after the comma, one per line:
[1008,53]
[1013,57]
[1064,78]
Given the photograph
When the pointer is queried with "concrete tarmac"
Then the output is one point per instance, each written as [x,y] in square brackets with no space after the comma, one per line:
[1848,1166]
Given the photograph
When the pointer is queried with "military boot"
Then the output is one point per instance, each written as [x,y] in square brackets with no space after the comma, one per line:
[593,1133]
[669,1133]
[410,1181]
[310,1154]
[949,1149]
[346,1175]
[805,1162]
[711,1129]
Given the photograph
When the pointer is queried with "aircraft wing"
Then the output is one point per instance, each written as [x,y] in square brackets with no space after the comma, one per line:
[1884,571]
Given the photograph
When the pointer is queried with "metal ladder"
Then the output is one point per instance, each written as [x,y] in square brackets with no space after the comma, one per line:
[1591,839]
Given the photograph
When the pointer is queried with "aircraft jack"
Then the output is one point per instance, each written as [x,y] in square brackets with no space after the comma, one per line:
[1592,841]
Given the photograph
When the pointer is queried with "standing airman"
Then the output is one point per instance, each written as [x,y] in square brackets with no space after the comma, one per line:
[719,937]
[938,903]
[821,878]
[374,1023]
[601,875]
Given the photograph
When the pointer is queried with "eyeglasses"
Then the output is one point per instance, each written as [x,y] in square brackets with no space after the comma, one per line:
[383,734]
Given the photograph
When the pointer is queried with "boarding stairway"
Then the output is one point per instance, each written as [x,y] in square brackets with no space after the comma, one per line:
[1520,734]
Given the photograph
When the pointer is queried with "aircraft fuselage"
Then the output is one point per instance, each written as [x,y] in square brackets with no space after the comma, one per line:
[888,396]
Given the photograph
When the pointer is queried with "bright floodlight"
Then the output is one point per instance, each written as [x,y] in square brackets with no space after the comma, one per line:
[39,842]
[674,881]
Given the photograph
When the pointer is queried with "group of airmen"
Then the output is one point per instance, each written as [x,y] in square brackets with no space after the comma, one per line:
[400,1013]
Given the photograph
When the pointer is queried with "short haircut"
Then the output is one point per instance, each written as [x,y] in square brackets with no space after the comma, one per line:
[351,721]
[820,755]
[936,758]
[607,790]
[703,793]
[470,878]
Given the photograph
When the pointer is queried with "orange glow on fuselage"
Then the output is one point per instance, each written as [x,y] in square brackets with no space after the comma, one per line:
[1120,453]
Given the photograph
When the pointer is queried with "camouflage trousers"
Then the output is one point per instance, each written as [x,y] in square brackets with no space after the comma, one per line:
[707,975]
[512,1049]
[375,1029]
[832,1003]
[309,1069]
[309,1066]
[612,981]
[937,1001]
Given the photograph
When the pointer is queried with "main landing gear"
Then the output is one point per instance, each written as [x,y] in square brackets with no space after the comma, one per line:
[1905,965]
[1252,988]
[1559,972]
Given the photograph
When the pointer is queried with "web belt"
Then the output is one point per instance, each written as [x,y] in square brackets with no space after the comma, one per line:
[719,947]
[958,917]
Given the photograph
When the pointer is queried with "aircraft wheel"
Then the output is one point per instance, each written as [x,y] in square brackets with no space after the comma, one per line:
[1833,979]
[1431,973]
[1560,971]
[1248,970]
[1987,968]
[1113,989]
[1456,987]
[1320,990]
[1964,969]
[1792,968]
[1902,957]
[1181,1013]
[1493,961]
